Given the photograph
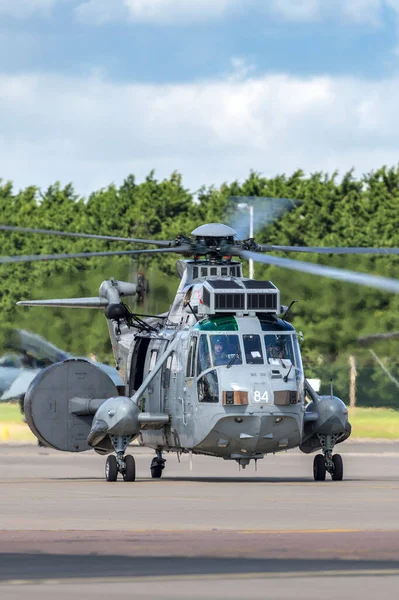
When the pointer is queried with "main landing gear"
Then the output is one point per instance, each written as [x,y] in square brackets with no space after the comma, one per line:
[157,465]
[327,462]
[120,463]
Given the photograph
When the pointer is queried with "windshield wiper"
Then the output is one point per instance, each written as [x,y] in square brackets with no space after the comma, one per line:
[285,378]
[233,360]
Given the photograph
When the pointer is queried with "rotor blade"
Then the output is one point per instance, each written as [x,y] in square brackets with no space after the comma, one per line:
[365,339]
[38,257]
[68,303]
[375,281]
[93,236]
[328,250]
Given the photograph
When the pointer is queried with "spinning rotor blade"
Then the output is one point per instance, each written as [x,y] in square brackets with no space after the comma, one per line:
[375,281]
[38,257]
[93,236]
[328,250]
[376,337]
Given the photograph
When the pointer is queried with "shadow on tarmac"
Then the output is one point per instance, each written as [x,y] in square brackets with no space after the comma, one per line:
[207,479]
[58,566]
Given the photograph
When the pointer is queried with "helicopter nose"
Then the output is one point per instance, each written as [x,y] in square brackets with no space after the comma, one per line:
[98,431]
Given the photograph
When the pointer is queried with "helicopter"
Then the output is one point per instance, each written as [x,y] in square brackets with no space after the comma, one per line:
[219,374]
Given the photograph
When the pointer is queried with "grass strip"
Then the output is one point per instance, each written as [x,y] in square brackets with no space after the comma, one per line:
[377,423]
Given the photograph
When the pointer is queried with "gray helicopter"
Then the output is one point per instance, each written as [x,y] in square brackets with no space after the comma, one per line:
[220,374]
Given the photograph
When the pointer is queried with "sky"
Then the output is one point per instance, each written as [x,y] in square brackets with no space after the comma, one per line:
[94,90]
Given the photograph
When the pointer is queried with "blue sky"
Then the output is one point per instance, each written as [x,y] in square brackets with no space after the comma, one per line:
[91,90]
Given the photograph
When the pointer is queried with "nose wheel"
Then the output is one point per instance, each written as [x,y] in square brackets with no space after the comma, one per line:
[111,468]
[338,472]
[125,465]
[328,462]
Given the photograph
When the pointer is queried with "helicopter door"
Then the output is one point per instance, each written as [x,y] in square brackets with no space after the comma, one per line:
[154,353]
[188,398]
[168,385]
[137,366]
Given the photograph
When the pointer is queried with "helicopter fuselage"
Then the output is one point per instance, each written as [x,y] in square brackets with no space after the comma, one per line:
[242,405]
[235,411]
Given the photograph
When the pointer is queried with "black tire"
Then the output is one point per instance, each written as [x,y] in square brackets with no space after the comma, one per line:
[130,468]
[319,468]
[156,471]
[338,473]
[111,468]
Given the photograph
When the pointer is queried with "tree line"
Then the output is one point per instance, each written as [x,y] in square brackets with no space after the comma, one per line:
[321,210]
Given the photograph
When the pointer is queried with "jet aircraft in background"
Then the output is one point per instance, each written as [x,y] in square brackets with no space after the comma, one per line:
[29,354]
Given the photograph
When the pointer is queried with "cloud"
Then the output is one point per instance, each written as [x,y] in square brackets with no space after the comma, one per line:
[159,12]
[297,10]
[355,11]
[21,9]
[167,12]
[99,12]
[92,132]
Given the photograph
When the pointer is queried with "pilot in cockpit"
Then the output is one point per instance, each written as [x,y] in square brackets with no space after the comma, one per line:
[276,348]
[220,356]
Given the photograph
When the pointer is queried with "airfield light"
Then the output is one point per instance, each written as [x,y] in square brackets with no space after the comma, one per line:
[250,208]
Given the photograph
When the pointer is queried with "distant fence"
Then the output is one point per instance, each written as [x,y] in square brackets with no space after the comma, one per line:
[361,384]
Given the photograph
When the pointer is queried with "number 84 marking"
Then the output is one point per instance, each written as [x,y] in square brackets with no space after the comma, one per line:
[261,397]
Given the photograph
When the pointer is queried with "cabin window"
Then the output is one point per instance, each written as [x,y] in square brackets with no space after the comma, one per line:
[153,360]
[204,358]
[208,388]
[190,369]
[225,348]
[187,297]
[253,349]
[167,370]
[279,347]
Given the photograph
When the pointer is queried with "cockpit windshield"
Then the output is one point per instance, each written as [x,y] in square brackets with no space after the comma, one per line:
[253,349]
[224,349]
[279,347]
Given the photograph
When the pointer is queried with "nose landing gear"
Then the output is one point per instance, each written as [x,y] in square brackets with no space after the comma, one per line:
[327,462]
[120,463]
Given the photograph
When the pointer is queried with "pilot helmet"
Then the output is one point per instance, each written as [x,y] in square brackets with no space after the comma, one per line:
[277,345]
[219,340]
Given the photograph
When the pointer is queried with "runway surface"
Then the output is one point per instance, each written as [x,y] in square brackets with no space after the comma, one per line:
[213,532]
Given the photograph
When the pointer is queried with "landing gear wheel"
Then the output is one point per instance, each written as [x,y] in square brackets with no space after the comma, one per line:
[111,468]
[157,465]
[156,471]
[319,468]
[338,472]
[130,468]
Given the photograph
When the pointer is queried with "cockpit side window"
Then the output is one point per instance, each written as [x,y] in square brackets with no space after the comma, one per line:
[279,347]
[204,358]
[297,352]
[208,388]
[224,349]
[253,350]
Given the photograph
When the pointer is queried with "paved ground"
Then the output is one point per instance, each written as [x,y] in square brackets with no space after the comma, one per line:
[212,532]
